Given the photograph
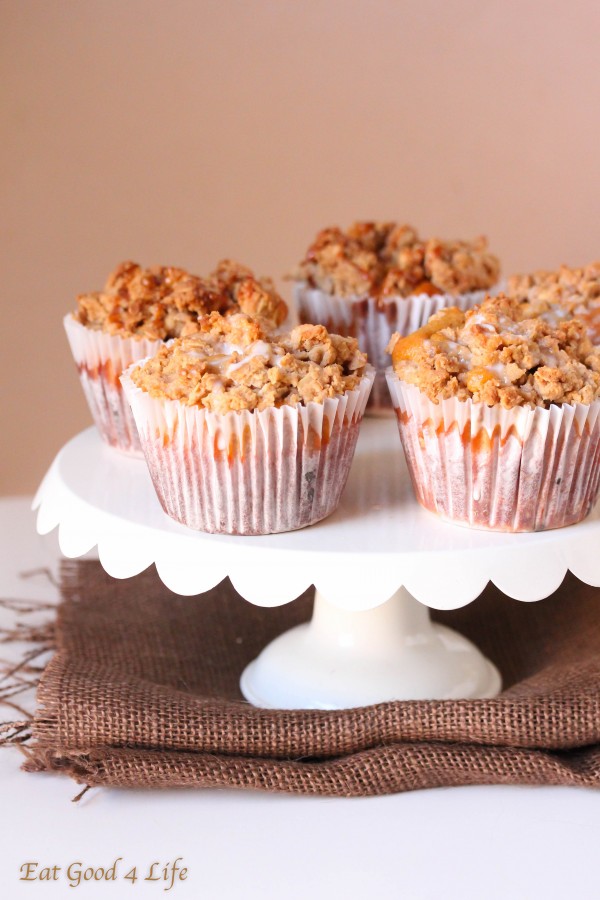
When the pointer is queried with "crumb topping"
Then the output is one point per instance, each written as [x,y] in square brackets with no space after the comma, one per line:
[562,294]
[386,259]
[234,363]
[164,302]
[498,354]
[248,294]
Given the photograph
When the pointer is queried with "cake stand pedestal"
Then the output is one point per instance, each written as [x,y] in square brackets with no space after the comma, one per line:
[341,659]
[377,565]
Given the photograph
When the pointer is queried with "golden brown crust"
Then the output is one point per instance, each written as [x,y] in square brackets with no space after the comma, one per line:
[163,302]
[343,263]
[386,259]
[563,293]
[234,363]
[499,355]
[247,293]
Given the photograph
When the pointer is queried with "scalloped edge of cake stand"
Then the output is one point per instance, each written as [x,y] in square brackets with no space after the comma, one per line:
[526,567]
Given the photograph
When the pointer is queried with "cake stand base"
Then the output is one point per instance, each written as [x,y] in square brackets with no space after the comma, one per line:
[342,659]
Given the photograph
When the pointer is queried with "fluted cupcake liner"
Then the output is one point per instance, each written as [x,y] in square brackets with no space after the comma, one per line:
[373,321]
[249,472]
[521,469]
[100,359]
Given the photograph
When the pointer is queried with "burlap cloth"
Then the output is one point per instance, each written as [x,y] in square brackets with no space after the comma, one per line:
[143,692]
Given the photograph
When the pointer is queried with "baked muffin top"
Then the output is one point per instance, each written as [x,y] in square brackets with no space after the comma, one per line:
[562,294]
[164,302]
[499,355]
[386,259]
[234,363]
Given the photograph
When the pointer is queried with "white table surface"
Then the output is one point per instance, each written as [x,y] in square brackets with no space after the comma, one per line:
[473,842]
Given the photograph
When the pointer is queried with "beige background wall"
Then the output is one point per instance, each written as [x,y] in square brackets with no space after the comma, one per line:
[180,132]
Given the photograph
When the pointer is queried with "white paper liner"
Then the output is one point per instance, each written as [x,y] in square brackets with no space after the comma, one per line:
[515,469]
[249,472]
[373,322]
[101,358]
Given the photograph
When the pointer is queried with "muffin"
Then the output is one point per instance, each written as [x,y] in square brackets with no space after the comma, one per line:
[137,311]
[563,294]
[246,431]
[381,278]
[498,416]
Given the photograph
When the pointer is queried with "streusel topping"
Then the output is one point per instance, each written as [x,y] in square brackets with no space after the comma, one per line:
[562,294]
[234,363]
[248,294]
[499,355]
[386,259]
[164,302]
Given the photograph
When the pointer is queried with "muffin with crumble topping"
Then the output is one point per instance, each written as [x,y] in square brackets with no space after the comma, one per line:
[498,414]
[565,293]
[379,278]
[136,312]
[246,431]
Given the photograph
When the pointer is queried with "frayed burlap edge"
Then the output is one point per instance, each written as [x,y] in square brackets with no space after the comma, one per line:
[369,751]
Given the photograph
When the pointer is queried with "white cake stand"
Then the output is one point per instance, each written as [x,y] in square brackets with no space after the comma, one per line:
[377,565]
